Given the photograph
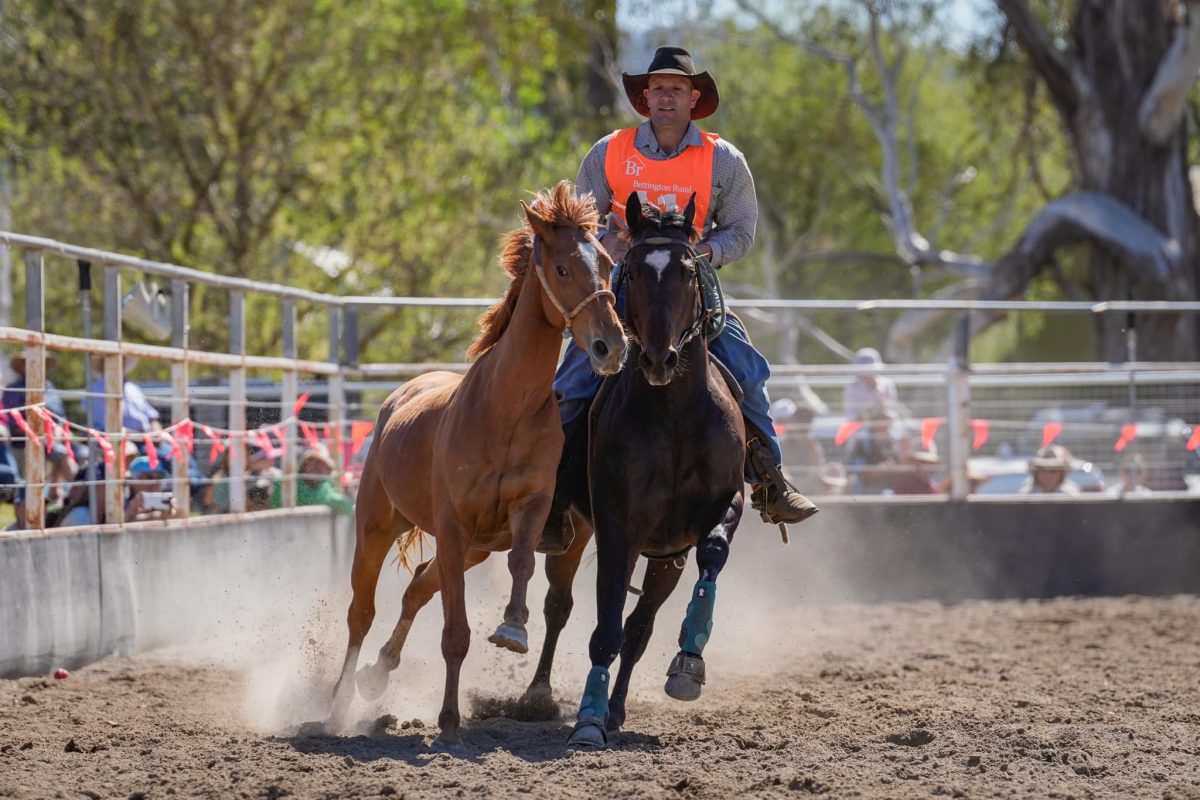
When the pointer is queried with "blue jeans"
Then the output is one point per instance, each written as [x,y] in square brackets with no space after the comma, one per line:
[575,384]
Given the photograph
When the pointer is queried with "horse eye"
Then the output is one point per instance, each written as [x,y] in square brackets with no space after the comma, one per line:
[561,270]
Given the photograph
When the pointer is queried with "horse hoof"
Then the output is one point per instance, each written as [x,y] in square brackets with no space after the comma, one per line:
[683,687]
[371,680]
[685,677]
[511,637]
[589,735]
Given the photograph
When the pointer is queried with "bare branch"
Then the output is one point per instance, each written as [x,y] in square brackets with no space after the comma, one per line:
[1087,216]
[1163,104]
[1056,69]
[910,326]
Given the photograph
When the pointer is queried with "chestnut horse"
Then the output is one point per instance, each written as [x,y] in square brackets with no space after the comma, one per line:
[665,474]
[471,459]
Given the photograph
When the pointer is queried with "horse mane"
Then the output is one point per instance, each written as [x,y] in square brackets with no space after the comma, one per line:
[557,206]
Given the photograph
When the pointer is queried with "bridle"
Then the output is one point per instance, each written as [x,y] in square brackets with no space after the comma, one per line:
[568,316]
[698,323]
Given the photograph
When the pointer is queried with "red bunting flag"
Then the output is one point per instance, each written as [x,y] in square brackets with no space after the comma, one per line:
[217,447]
[176,450]
[300,401]
[151,450]
[359,431]
[1128,433]
[847,430]
[929,428]
[23,425]
[280,437]
[310,435]
[1050,432]
[105,446]
[980,426]
[48,425]
[186,431]
[265,442]
[1194,442]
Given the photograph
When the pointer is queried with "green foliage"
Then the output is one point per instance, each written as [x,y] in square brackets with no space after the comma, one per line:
[243,137]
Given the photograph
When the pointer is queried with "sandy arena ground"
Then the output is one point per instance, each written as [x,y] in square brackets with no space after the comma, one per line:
[1064,698]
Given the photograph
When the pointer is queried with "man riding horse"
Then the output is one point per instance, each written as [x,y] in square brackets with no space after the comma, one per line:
[665,160]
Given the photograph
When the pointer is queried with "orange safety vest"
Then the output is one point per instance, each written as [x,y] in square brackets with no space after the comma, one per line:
[667,184]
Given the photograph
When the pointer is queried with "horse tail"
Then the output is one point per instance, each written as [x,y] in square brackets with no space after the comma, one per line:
[405,541]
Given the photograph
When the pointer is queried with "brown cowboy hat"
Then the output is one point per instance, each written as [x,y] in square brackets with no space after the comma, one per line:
[17,361]
[673,61]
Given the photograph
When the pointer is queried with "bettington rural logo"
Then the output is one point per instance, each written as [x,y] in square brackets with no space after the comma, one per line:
[634,166]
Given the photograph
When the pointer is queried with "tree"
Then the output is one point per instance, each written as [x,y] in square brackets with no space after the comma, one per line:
[1121,91]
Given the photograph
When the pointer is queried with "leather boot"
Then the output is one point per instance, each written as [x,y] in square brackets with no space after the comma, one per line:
[559,531]
[772,495]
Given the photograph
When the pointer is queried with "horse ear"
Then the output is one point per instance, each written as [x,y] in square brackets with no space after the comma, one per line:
[543,229]
[633,211]
[689,213]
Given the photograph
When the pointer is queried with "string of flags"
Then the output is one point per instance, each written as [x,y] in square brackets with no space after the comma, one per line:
[981,429]
[181,435]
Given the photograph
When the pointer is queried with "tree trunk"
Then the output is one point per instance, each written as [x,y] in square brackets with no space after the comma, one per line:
[1118,50]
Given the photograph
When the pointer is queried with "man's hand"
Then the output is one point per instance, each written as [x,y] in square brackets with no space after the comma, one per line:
[615,245]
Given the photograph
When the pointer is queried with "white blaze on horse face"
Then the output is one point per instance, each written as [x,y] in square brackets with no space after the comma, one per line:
[587,252]
[659,259]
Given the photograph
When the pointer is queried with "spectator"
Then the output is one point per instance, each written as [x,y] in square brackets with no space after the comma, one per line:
[868,389]
[872,455]
[916,475]
[148,492]
[10,474]
[803,454]
[1048,472]
[15,396]
[1132,473]
[263,480]
[315,486]
[138,415]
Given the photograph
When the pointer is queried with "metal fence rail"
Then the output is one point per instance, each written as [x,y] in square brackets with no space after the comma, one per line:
[954,393]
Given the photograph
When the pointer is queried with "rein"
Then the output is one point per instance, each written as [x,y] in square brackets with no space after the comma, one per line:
[568,316]
[701,319]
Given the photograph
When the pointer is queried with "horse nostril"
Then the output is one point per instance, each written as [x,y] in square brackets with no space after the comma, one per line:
[599,348]
[671,360]
[645,361]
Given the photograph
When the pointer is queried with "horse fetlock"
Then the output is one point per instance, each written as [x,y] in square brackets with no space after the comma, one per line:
[685,677]
[372,680]
[697,624]
[594,706]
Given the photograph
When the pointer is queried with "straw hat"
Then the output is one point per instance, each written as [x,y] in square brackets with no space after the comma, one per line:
[319,454]
[1053,456]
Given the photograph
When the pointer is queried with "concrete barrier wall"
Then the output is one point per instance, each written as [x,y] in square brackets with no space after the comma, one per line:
[71,598]
[875,552]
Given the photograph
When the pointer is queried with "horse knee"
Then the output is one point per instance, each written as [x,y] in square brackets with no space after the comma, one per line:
[557,610]
[456,642]
[521,564]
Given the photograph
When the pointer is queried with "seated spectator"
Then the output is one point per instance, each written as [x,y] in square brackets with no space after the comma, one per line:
[148,492]
[917,473]
[869,389]
[1132,472]
[14,396]
[139,416]
[803,454]
[10,473]
[872,453]
[1048,472]
[263,480]
[315,486]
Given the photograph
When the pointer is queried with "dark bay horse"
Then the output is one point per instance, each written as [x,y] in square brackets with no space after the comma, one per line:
[471,459]
[666,475]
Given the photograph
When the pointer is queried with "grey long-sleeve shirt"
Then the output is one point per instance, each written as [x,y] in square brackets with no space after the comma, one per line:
[732,208]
